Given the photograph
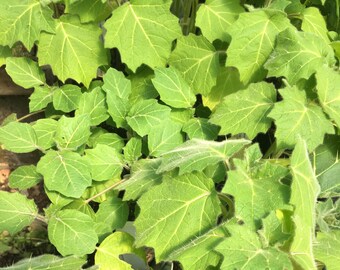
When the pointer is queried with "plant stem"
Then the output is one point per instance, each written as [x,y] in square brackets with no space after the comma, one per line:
[41,218]
[105,190]
[231,209]
[29,115]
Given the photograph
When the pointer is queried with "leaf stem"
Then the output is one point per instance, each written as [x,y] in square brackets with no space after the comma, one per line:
[226,199]
[41,218]
[29,115]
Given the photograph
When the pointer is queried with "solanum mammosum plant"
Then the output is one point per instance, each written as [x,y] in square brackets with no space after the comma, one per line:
[188,134]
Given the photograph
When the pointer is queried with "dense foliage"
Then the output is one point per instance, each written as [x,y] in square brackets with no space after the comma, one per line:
[207,131]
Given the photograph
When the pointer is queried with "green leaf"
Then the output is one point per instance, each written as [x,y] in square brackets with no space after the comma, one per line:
[66,98]
[190,197]
[112,214]
[164,137]
[16,212]
[24,177]
[253,38]
[200,128]
[326,164]
[228,82]
[243,250]
[72,233]
[197,154]
[105,162]
[89,10]
[101,191]
[146,114]
[143,176]
[45,130]
[73,132]
[336,47]
[172,88]
[68,54]
[25,72]
[297,116]
[133,150]
[181,116]
[327,215]
[110,139]
[327,249]
[196,58]
[24,21]
[109,251]
[57,199]
[298,55]
[328,82]
[5,52]
[81,206]
[41,97]
[93,103]
[256,187]
[65,172]
[48,261]
[246,111]
[199,253]
[146,41]
[18,137]
[304,193]
[216,16]
[313,22]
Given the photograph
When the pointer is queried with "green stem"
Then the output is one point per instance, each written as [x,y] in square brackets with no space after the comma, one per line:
[41,218]
[104,191]
[231,209]
[29,115]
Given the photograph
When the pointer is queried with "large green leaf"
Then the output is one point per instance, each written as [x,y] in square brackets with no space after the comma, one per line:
[197,154]
[65,172]
[304,193]
[118,243]
[175,212]
[172,88]
[72,233]
[246,111]
[214,18]
[66,98]
[297,116]
[200,128]
[327,248]
[73,132]
[68,54]
[146,41]
[45,130]
[243,250]
[105,162]
[253,38]
[41,97]
[24,177]
[24,21]
[328,86]
[256,187]
[313,22]
[196,58]
[16,212]
[146,114]
[18,137]
[25,72]
[298,55]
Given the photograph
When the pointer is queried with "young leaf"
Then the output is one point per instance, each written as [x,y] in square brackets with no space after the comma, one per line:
[172,88]
[72,233]
[93,103]
[304,193]
[146,114]
[197,154]
[196,58]
[253,37]
[18,137]
[256,187]
[41,97]
[146,41]
[298,55]
[296,116]
[24,177]
[183,200]
[246,111]
[313,22]
[327,248]
[328,82]
[221,15]
[24,21]
[164,137]
[68,54]
[65,172]
[25,72]
[72,132]
[243,250]
[143,177]
[133,150]
[200,128]
[109,251]
[45,130]
[105,162]
[16,212]
[66,98]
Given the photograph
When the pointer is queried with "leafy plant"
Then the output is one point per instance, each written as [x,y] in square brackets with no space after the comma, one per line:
[199,133]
